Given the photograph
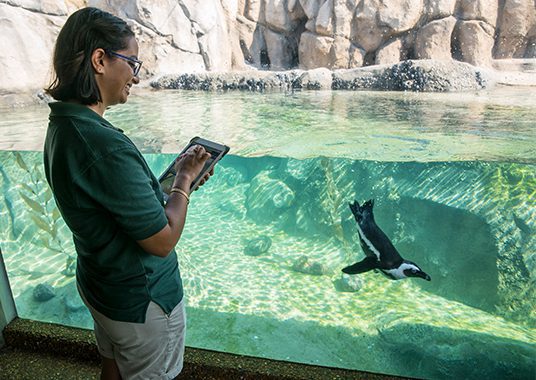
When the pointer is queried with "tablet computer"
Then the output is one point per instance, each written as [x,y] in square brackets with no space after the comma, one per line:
[217,151]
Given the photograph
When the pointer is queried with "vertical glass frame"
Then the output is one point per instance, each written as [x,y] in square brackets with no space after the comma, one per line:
[7,305]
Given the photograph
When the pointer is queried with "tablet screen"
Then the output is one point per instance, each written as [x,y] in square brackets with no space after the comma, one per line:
[217,151]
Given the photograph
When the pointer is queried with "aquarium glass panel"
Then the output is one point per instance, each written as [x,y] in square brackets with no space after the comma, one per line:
[453,180]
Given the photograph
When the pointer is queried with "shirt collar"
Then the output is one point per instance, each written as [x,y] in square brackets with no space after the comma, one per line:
[69,109]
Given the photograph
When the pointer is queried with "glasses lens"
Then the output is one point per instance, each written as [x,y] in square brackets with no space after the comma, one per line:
[135,64]
[137,68]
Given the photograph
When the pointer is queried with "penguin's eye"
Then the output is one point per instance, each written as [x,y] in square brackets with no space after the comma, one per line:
[413,270]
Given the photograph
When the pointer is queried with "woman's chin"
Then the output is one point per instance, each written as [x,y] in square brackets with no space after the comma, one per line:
[124,96]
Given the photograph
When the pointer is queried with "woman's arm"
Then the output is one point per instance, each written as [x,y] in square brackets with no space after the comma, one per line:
[188,166]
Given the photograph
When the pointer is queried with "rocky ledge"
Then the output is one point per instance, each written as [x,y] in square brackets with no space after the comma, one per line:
[411,75]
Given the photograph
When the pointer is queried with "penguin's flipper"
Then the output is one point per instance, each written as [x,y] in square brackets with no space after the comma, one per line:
[368,263]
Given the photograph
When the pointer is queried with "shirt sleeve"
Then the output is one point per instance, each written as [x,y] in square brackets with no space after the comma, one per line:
[122,184]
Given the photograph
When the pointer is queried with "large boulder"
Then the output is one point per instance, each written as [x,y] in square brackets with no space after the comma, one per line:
[196,31]
[251,40]
[314,50]
[436,9]
[483,10]
[433,40]
[390,53]
[316,79]
[324,19]
[277,16]
[279,50]
[27,40]
[474,42]
[516,27]
[376,21]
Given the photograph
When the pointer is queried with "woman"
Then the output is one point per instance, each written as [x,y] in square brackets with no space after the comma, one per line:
[127,271]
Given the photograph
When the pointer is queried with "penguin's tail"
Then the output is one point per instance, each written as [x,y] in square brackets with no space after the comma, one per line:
[368,205]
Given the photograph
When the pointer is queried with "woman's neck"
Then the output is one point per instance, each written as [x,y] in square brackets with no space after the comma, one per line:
[98,108]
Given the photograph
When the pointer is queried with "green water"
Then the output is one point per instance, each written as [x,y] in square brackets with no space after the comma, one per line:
[454,188]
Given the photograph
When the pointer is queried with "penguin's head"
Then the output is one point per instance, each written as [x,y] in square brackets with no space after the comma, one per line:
[412,270]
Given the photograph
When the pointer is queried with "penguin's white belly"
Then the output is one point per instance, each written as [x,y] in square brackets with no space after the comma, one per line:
[368,242]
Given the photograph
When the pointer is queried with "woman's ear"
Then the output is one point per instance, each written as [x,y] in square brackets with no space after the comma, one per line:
[97,60]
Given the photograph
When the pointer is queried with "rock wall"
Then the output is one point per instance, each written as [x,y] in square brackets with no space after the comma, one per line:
[230,35]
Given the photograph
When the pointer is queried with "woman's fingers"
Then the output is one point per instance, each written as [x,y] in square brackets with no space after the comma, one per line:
[205,178]
[193,161]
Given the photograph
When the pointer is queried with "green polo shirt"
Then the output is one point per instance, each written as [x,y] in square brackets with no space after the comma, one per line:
[109,198]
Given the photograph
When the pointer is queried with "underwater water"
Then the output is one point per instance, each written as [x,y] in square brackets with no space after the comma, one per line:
[454,182]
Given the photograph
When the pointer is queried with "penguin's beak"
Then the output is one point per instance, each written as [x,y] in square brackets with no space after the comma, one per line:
[424,276]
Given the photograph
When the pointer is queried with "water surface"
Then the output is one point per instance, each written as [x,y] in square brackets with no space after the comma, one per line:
[489,125]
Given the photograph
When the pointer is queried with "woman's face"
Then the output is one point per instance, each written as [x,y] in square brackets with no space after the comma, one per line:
[118,77]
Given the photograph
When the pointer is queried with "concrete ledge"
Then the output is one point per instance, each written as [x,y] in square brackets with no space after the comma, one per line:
[46,339]
[63,341]
[27,365]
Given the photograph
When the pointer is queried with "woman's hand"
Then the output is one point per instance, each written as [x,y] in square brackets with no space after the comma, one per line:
[189,165]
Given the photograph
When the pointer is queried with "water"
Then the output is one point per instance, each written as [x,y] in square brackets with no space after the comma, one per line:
[453,178]
[495,126]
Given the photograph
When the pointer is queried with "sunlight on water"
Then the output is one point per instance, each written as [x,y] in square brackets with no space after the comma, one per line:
[454,183]
[379,126]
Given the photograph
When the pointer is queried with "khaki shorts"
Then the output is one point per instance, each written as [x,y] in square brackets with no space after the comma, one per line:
[150,350]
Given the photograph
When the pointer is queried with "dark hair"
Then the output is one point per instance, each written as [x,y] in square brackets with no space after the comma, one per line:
[84,31]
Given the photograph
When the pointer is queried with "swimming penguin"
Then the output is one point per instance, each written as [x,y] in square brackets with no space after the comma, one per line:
[380,253]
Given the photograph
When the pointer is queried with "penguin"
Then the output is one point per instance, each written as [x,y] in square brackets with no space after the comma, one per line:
[380,253]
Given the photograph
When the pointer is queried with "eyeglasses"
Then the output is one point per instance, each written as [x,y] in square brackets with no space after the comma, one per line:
[133,63]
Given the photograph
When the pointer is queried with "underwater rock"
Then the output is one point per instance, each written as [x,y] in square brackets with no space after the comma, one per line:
[267,198]
[520,223]
[283,199]
[305,265]
[233,177]
[71,299]
[441,353]
[63,307]
[258,246]
[43,292]
[347,283]
[230,207]
[73,304]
